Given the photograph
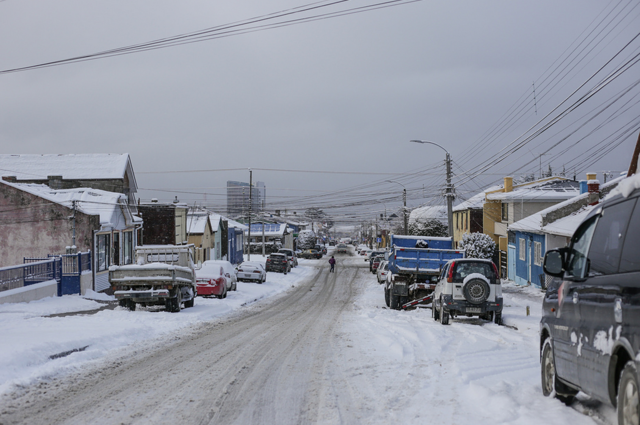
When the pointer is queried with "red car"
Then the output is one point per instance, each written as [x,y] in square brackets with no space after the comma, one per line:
[213,281]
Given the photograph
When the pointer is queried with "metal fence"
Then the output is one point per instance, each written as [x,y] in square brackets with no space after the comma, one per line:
[34,271]
[61,268]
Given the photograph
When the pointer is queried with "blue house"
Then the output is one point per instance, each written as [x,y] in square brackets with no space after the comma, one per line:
[236,241]
[550,228]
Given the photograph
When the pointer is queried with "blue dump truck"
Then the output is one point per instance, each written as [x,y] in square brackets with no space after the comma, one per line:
[414,265]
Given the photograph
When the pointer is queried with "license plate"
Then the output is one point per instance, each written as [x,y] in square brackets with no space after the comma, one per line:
[474,310]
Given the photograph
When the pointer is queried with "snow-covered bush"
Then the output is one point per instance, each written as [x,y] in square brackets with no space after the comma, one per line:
[306,239]
[478,245]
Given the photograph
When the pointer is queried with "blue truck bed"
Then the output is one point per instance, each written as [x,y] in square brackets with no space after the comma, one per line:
[406,259]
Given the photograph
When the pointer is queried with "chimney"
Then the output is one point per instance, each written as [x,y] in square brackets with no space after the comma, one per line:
[593,187]
[508,184]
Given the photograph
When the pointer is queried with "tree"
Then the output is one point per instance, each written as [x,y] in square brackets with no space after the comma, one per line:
[478,245]
[428,227]
[306,239]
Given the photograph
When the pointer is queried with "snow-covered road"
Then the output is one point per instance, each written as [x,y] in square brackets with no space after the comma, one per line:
[325,351]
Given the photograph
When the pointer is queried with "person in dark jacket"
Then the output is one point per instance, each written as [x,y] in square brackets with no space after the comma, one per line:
[332,261]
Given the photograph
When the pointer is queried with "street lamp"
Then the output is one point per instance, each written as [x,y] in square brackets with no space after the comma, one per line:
[404,201]
[449,190]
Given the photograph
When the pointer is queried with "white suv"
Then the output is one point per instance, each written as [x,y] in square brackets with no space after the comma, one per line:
[470,287]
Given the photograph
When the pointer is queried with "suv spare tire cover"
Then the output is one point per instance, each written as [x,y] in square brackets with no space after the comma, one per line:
[476,291]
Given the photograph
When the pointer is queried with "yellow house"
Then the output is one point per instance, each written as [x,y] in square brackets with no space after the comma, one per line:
[200,234]
[511,203]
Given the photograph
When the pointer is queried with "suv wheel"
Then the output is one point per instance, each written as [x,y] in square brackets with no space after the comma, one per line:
[476,291]
[628,400]
[386,296]
[444,315]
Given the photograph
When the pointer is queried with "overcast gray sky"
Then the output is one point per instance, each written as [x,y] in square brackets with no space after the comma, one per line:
[343,94]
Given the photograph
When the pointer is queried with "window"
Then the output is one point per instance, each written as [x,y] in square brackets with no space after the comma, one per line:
[537,250]
[115,260]
[505,211]
[606,247]
[103,248]
[630,258]
[127,248]
[523,250]
[579,248]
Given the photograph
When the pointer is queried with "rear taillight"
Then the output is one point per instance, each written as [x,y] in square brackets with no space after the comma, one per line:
[450,275]
[240,270]
[256,271]
[495,270]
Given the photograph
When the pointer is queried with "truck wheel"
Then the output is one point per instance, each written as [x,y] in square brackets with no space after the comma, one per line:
[628,401]
[497,317]
[175,302]
[434,311]
[131,305]
[122,303]
[189,304]
[386,296]
[394,300]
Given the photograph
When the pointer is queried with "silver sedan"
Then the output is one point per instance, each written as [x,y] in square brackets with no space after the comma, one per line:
[250,271]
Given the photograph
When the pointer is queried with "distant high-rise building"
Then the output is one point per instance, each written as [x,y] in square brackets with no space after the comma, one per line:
[238,195]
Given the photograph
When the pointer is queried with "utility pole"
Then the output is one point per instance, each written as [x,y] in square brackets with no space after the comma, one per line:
[250,211]
[263,237]
[450,196]
[404,211]
[449,191]
[73,218]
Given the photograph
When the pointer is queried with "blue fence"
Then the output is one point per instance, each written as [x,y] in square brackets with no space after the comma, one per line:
[64,269]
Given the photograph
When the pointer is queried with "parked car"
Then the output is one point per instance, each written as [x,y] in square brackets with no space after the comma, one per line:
[277,262]
[470,287]
[375,262]
[382,271]
[216,278]
[590,326]
[341,249]
[311,254]
[291,255]
[250,271]
[322,249]
[371,256]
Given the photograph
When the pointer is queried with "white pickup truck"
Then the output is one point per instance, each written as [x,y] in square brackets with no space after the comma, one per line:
[162,275]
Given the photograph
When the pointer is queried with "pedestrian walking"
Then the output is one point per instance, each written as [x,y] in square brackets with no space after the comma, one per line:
[332,261]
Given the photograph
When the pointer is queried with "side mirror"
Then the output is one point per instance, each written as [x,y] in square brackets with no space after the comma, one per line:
[553,263]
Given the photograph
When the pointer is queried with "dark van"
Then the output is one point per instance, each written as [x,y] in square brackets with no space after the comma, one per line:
[590,326]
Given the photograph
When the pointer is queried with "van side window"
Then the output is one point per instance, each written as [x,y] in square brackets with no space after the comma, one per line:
[606,244]
[579,248]
[630,258]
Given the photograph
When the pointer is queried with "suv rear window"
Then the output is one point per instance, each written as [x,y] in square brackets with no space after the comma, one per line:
[465,268]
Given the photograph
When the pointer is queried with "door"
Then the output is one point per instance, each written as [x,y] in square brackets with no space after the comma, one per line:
[565,327]
[602,290]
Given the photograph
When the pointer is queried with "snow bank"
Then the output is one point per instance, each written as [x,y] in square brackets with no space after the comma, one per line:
[29,338]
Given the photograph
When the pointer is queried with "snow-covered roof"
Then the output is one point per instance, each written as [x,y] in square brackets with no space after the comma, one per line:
[197,223]
[438,212]
[270,229]
[554,190]
[69,166]
[476,201]
[565,225]
[111,207]
[235,224]
[214,219]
